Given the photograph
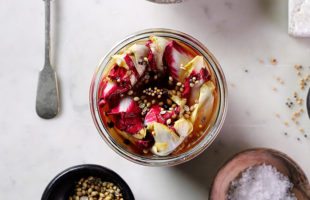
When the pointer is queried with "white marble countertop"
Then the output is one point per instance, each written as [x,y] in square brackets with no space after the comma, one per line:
[239,33]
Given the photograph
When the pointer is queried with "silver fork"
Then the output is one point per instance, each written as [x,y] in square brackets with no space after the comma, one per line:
[47,102]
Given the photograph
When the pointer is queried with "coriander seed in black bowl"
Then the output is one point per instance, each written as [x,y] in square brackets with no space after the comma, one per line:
[87,182]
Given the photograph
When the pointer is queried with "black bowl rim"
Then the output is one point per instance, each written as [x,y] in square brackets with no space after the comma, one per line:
[49,187]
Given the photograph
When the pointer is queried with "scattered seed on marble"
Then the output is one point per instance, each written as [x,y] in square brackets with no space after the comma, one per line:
[277,115]
[273,61]
[301,129]
[289,103]
[285,123]
[297,66]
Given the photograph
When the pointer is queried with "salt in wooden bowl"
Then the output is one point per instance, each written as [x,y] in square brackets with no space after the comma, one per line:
[233,168]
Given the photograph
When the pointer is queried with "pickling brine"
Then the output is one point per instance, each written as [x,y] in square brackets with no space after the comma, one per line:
[158,97]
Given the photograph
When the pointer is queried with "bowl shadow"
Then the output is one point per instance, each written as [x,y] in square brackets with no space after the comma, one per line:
[202,169]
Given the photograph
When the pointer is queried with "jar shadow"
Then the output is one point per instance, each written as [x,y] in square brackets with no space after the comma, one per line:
[202,169]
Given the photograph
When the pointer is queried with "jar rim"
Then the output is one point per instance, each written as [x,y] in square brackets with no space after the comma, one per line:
[209,136]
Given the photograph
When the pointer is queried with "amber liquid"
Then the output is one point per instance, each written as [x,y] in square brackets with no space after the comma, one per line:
[197,134]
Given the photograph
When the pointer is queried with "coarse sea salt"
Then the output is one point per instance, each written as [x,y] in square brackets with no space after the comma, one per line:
[261,182]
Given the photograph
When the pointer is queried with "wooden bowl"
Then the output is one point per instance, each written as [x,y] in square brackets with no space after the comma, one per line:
[245,159]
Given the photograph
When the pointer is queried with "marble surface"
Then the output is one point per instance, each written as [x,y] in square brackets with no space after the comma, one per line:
[239,33]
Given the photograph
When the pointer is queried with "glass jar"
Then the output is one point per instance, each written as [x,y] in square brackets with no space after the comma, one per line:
[208,136]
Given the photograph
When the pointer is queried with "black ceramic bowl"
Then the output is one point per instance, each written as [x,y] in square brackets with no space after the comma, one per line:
[62,186]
